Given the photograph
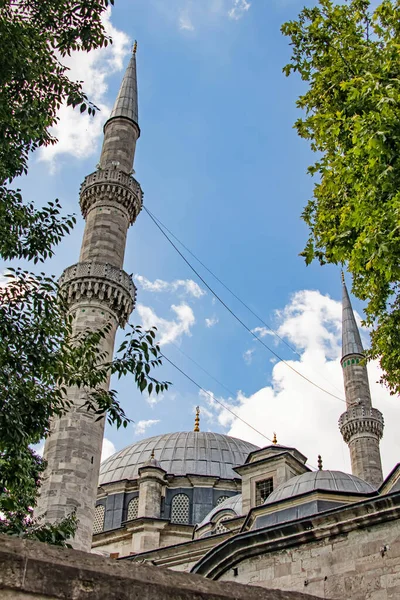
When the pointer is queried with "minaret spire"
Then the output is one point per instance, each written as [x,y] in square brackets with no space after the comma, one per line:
[361,425]
[99,293]
[126,103]
[351,339]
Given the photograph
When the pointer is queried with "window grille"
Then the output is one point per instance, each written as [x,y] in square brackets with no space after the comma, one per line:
[133,509]
[220,527]
[180,509]
[98,522]
[222,499]
[263,490]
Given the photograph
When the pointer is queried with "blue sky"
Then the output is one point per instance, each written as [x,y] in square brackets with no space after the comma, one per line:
[221,165]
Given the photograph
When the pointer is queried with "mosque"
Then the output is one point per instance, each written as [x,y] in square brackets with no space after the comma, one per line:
[205,502]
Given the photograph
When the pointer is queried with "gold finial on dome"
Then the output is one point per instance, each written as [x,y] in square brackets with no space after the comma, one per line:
[319,462]
[274,440]
[197,419]
[152,454]
[134,47]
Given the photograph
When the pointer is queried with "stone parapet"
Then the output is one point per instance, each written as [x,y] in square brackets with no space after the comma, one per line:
[105,283]
[34,570]
[361,419]
[106,186]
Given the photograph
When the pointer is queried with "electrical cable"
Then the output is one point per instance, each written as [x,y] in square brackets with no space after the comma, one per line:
[238,318]
[223,284]
[214,399]
[233,293]
[233,394]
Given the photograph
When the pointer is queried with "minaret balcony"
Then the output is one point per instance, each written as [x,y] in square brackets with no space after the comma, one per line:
[361,419]
[106,187]
[92,282]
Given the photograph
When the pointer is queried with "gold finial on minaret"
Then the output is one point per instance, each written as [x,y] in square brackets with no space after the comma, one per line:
[274,440]
[319,462]
[134,47]
[342,273]
[197,419]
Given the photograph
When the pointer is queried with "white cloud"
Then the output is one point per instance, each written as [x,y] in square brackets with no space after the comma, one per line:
[211,322]
[205,413]
[239,8]
[302,415]
[154,399]
[248,356]
[185,21]
[142,426]
[108,449]
[262,332]
[168,331]
[190,15]
[78,134]
[186,286]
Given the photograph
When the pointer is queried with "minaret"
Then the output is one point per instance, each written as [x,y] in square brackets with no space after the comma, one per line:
[361,425]
[99,292]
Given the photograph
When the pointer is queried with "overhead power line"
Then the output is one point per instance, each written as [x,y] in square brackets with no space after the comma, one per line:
[204,370]
[214,399]
[238,319]
[275,333]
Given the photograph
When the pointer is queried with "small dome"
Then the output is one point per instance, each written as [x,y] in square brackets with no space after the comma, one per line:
[183,453]
[152,462]
[333,481]
[233,503]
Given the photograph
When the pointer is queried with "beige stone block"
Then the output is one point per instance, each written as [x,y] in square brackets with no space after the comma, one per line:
[379,595]
[392,579]
[283,569]
[393,593]
[365,584]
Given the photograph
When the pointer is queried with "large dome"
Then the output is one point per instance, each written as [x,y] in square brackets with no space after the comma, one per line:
[184,453]
[333,481]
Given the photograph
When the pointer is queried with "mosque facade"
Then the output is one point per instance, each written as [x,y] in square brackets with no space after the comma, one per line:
[206,502]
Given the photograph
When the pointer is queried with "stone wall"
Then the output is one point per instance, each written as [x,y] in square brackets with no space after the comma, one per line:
[33,571]
[353,553]
[346,567]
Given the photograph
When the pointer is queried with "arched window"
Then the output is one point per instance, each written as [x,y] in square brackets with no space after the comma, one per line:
[98,522]
[133,509]
[221,499]
[180,509]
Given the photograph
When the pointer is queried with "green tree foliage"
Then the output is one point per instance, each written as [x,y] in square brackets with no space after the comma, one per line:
[40,356]
[349,55]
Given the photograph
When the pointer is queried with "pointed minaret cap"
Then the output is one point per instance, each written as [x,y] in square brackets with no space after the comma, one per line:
[126,104]
[351,340]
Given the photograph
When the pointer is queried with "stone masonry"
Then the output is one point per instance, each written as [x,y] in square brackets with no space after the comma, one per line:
[351,553]
[34,571]
[99,293]
[361,425]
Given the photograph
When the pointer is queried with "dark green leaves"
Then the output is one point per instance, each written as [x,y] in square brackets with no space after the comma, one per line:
[40,355]
[349,57]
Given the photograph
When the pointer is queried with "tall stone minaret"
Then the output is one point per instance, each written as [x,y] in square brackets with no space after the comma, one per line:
[361,425]
[98,292]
